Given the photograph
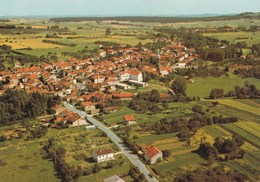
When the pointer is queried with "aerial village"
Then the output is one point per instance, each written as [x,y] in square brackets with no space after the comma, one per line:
[90,83]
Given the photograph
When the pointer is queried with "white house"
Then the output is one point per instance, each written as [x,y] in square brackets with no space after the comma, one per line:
[180,65]
[136,75]
[76,120]
[98,78]
[129,119]
[130,75]
[88,106]
[103,155]
[152,154]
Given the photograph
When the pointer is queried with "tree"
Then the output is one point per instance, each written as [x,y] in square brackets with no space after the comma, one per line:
[108,31]
[216,93]
[165,104]
[95,168]
[197,108]
[179,86]
[194,125]
[228,146]
[1,86]
[238,139]
[215,103]
[166,153]
[155,96]
[207,151]
[110,164]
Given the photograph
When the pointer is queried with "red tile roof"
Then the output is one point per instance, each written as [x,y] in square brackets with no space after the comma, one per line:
[151,151]
[129,118]
[123,95]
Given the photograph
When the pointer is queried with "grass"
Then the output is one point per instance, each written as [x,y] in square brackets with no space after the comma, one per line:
[177,109]
[254,139]
[187,161]
[251,102]
[251,127]
[234,37]
[230,111]
[25,163]
[156,139]
[239,105]
[216,131]
[119,169]
[203,86]
[250,171]
[19,156]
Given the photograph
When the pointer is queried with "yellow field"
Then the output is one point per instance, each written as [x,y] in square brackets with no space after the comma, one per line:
[240,105]
[251,127]
[18,42]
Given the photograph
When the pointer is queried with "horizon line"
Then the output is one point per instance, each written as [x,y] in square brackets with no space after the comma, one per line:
[114,16]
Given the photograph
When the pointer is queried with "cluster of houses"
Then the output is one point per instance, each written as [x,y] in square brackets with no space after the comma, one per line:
[92,82]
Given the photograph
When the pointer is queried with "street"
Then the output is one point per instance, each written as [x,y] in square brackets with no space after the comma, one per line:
[125,150]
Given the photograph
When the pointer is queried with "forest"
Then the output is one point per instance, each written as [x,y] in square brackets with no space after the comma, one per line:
[18,106]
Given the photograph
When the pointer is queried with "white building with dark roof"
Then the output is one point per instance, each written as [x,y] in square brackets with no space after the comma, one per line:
[103,155]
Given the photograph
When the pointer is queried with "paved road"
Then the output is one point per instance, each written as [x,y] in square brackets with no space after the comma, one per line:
[133,158]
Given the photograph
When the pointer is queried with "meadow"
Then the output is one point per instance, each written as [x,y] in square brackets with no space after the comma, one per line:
[233,37]
[20,156]
[203,86]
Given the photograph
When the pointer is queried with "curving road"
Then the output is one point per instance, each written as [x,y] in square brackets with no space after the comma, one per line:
[125,150]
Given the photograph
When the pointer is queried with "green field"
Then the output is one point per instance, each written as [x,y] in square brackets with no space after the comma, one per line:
[19,156]
[234,37]
[245,132]
[175,109]
[25,158]
[183,162]
[231,111]
[203,86]
[84,33]
[240,106]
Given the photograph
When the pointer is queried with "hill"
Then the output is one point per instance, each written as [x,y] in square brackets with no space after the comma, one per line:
[160,19]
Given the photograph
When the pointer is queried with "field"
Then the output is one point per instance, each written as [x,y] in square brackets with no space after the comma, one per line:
[240,105]
[19,156]
[203,86]
[25,158]
[234,37]
[175,109]
[82,33]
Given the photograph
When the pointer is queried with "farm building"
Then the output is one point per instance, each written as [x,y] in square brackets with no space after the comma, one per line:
[152,154]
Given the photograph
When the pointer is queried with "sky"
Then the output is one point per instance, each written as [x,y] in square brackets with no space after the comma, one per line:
[125,7]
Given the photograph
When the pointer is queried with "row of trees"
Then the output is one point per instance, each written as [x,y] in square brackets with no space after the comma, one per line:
[136,174]
[17,105]
[187,127]
[202,71]
[57,155]
[249,91]
[245,73]
[219,174]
